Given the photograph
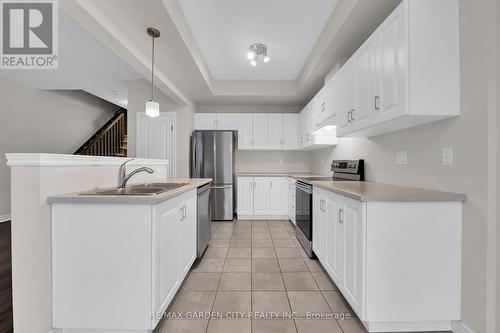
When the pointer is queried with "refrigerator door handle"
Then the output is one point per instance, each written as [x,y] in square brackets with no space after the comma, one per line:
[194,160]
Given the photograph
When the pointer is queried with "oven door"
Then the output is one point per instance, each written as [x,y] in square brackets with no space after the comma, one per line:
[303,208]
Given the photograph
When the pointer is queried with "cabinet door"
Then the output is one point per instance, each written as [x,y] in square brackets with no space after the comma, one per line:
[329,98]
[188,227]
[245,131]
[364,80]
[227,121]
[353,252]
[301,127]
[166,254]
[260,132]
[334,232]
[391,64]
[311,126]
[245,196]
[205,121]
[291,200]
[275,131]
[346,86]
[290,131]
[278,194]
[261,196]
[318,224]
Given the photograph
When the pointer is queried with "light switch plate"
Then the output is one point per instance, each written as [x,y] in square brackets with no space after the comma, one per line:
[402,158]
[447,156]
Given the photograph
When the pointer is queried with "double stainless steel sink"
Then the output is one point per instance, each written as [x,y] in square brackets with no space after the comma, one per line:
[139,189]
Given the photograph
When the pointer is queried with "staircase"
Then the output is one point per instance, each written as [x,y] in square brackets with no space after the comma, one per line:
[110,139]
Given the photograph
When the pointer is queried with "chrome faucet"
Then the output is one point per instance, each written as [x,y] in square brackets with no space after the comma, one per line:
[123,178]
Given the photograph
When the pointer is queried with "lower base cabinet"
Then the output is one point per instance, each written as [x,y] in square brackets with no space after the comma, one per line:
[117,267]
[262,198]
[398,264]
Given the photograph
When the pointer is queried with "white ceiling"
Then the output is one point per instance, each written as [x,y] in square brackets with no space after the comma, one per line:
[85,63]
[224,29]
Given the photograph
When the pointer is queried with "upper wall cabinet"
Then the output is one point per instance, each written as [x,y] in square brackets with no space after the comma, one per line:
[406,74]
[216,121]
[275,131]
[309,138]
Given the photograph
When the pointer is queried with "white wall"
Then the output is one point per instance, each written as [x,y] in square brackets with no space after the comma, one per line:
[272,161]
[44,121]
[468,135]
[138,92]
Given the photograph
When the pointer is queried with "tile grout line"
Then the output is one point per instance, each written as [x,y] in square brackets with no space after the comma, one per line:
[286,289]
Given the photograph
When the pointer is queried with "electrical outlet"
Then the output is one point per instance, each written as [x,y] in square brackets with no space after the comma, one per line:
[280,161]
[447,156]
[402,158]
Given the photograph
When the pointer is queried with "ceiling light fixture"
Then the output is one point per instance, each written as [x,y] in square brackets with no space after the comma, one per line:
[257,52]
[152,107]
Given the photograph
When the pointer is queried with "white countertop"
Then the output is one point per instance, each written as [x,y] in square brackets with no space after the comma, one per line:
[132,199]
[368,191]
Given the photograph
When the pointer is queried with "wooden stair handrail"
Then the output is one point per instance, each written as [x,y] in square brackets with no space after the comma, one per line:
[109,139]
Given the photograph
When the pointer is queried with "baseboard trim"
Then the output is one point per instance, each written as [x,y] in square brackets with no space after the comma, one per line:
[5,218]
[460,327]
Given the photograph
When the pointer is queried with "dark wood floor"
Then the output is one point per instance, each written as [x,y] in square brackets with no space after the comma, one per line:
[5,279]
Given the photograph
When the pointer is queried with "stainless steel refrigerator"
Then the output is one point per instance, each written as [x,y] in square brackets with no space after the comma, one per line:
[212,156]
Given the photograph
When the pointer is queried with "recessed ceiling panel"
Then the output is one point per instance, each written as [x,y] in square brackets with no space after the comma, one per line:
[224,29]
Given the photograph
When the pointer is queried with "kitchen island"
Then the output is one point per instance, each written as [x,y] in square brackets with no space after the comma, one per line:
[118,260]
[395,253]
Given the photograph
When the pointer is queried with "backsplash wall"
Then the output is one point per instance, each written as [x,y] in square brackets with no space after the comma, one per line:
[272,161]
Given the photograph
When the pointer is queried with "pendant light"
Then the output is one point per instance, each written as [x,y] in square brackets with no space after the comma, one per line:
[152,107]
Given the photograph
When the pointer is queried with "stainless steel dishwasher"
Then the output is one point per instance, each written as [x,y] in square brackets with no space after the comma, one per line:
[203,228]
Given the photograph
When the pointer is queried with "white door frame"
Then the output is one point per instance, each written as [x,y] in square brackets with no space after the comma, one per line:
[174,124]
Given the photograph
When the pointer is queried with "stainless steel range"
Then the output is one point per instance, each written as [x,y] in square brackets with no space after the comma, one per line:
[343,170]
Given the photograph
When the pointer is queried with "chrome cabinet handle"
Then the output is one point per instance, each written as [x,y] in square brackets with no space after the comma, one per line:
[341,216]
[185,214]
[349,116]
[352,114]
[377,102]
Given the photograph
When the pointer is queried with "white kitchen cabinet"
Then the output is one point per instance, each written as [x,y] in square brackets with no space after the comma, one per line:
[245,196]
[262,197]
[205,121]
[166,262]
[216,121]
[365,79]
[407,72]
[334,238]
[275,131]
[187,233]
[278,188]
[260,131]
[345,79]
[138,253]
[245,131]
[377,251]
[351,215]
[227,121]
[291,200]
[309,141]
[290,131]
[325,110]
[319,226]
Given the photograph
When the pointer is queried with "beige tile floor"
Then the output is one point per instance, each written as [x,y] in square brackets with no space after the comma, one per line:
[258,267]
